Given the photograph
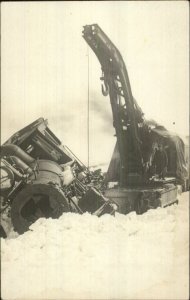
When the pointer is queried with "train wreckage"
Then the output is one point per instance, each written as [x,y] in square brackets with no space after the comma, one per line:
[40,177]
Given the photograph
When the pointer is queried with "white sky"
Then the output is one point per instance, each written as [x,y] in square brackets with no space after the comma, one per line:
[44,67]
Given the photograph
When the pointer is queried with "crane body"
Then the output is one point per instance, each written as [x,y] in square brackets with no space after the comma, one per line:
[130,166]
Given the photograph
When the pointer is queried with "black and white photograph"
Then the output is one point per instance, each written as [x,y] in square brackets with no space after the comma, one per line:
[94,150]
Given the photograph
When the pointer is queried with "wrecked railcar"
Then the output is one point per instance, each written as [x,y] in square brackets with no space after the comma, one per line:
[42,178]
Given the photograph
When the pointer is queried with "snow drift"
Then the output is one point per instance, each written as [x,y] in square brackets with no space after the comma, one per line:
[83,256]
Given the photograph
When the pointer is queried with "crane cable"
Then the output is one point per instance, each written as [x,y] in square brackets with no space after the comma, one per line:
[88,104]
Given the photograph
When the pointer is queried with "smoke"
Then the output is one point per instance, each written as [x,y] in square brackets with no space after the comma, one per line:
[70,124]
[100,107]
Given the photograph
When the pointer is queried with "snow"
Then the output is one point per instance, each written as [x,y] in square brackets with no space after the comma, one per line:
[83,256]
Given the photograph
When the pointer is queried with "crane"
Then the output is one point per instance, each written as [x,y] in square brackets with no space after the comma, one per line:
[128,118]
[137,189]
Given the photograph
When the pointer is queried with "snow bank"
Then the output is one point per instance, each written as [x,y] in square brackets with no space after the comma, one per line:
[83,256]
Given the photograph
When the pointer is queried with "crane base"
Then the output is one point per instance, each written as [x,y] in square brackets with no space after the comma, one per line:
[140,199]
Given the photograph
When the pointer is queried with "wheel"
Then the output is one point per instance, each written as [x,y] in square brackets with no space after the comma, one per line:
[37,201]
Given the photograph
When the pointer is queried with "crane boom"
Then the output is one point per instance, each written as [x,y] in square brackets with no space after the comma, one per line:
[127,115]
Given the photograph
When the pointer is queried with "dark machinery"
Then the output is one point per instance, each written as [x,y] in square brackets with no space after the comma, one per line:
[42,178]
[131,166]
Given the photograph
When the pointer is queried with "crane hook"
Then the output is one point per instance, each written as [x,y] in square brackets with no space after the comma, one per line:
[105,89]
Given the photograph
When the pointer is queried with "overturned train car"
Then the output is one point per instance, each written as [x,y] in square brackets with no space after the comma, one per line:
[42,178]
